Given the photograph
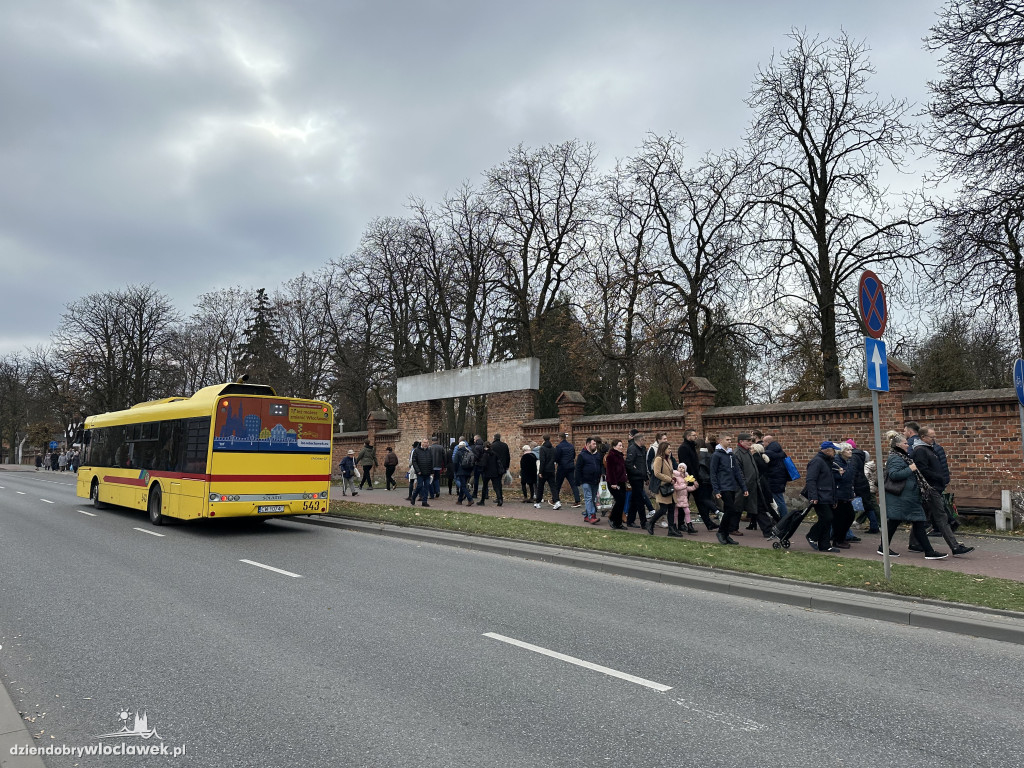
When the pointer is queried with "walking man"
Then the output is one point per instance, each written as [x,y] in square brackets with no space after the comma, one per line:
[777,472]
[588,475]
[930,467]
[823,496]
[727,481]
[565,469]
[636,471]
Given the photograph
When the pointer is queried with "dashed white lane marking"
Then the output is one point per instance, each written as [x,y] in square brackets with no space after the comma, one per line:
[20,493]
[271,568]
[724,718]
[580,662]
[90,514]
[47,501]
[151,533]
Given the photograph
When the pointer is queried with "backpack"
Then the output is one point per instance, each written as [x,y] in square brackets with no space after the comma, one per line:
[468,459]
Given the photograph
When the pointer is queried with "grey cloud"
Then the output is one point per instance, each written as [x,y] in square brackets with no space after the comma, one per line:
[199,145]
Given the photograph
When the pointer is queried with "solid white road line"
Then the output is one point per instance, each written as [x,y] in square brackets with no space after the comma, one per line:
[151,533]
[47,501]
[90,514]
[580,662]
[271,568]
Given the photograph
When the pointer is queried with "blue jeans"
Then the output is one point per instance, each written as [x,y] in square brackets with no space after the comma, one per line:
[435,483]
[423,487]
[590,499]
[463,484]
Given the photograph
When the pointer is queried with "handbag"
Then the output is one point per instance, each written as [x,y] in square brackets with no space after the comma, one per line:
[895,487]
[858,504]
[666,489]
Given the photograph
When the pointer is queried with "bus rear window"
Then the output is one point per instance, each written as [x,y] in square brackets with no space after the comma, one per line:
[266,425]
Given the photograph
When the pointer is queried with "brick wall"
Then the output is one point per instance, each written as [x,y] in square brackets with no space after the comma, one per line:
[980,430]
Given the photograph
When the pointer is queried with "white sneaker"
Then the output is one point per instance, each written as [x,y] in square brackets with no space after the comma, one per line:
[536,506]
[664,523]
[557,505]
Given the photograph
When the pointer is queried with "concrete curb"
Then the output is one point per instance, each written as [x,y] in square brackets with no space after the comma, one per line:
[14,732]
[1004,626]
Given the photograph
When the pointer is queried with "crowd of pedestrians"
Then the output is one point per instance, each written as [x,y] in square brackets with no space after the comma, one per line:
[59,461]
[723,485]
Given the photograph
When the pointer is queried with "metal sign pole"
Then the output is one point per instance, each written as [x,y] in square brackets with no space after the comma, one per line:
[879,463]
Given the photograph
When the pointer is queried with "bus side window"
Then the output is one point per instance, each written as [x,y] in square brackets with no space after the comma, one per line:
[197,443]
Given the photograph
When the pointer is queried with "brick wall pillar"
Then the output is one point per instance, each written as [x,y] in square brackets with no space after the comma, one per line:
[570,407]
[698,395]
[890,404]
[416,421]
[506,412]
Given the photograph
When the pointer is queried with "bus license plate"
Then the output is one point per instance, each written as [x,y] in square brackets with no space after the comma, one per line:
[264,510]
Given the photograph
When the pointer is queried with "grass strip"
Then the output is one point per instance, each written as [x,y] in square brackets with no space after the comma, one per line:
[907,580]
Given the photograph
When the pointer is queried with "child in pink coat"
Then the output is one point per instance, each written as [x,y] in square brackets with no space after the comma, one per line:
[683,484]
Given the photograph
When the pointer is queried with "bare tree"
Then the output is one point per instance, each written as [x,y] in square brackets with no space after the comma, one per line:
[301,308]
[14,403]
[981,251]
[821,137]
[700,214]
[542,200]
[116,344]
[978,105]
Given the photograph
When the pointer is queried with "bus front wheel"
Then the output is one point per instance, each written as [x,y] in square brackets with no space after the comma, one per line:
[94,494]
[155,506]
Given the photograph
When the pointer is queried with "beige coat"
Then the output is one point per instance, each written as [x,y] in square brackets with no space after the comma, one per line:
[662,467]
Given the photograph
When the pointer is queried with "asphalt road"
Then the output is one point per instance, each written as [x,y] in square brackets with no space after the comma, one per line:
[377,654]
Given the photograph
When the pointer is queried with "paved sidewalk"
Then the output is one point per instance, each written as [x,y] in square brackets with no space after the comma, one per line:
[1000,557]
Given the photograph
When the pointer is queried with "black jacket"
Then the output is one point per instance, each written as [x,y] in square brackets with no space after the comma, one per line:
[588,467]
[636,462]
[438,456]
[547,459]
[821,483]
[528,468]
[861,485]
[565,455]
[776,473]
[501,451]
[929,465]
[688,456]
[491,466]
[726,474]
[422,462]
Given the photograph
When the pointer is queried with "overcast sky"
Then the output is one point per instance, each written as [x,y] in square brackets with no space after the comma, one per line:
[199,145]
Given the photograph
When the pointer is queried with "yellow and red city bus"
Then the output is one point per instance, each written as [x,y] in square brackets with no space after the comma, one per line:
[230,450]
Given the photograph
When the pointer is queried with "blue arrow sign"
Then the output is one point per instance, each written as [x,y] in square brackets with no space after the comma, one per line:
[878,366]
[1018,379]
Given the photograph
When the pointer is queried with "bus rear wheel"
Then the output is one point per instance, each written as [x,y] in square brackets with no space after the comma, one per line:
[155,506]
[94,494]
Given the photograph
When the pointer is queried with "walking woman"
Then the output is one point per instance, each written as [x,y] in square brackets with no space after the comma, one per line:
[662,469]
[903,504]
[390,463]
[367,459]
[528,473]
[843,516]
[615,474]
